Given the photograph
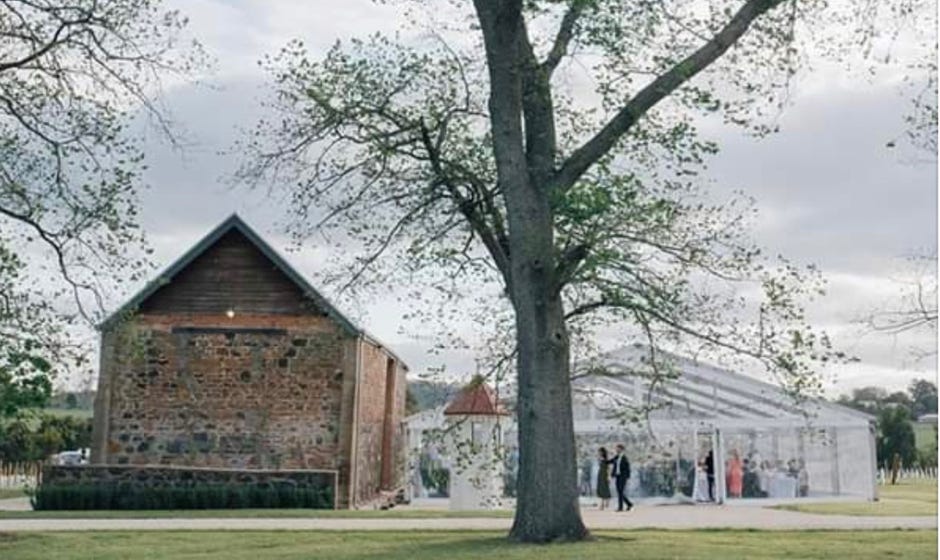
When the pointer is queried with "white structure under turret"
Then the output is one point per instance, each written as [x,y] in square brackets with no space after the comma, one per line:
[474,439]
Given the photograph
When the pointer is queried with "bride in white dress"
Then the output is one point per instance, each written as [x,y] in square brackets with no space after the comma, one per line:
[700,488]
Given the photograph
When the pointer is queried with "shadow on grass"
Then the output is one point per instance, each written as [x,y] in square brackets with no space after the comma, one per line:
[461,545]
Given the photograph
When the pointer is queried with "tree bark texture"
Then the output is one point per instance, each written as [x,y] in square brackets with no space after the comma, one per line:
[547,508]
[547,500]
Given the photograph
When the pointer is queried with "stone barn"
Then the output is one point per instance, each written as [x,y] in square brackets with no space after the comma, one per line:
[231,360]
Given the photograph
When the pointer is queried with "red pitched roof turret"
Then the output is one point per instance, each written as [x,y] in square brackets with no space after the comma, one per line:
[477,398]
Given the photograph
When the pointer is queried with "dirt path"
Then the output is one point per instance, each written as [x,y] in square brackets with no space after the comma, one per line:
[661,517]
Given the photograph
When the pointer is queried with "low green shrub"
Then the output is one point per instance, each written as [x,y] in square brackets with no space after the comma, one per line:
[197,496]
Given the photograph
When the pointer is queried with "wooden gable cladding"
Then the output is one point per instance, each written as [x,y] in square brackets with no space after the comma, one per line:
[231,274]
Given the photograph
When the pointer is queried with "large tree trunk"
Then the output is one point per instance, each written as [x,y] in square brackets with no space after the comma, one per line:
[547,505]
[547,500]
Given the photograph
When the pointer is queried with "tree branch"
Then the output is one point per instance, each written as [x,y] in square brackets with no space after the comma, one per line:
[537,113]
[467,207]
[602,142]
[563,37]
[56,246]
[54,42]
[568,262]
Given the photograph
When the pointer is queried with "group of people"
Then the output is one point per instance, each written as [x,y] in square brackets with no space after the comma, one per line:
[618,469]
[752,478]
[749,477]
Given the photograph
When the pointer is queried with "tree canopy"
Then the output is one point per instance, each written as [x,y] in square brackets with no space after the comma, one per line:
[551,150]
[73,75]
[895,412]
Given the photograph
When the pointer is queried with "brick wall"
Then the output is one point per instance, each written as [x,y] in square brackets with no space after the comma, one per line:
[370,423]
[400,442]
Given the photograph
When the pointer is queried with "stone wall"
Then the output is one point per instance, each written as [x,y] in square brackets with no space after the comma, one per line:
[256,393]
[253,392]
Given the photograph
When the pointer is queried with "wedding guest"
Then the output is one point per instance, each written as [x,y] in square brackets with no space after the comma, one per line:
[621,475]
[803,478]
[735,477]
[603,477]
[710,473]
[701,488]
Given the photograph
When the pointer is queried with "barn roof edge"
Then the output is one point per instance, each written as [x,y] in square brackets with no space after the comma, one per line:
[235,222]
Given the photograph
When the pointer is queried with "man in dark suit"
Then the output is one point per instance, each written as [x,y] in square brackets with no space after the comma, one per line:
[710,472]
[621,474]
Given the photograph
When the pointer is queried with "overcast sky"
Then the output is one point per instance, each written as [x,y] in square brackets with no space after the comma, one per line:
[829,190]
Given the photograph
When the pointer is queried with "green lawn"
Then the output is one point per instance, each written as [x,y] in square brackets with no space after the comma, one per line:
[909,497]
[457,545]
[271,513]
[925,437]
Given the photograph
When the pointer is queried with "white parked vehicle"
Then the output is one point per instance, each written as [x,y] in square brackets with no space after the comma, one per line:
[79,457]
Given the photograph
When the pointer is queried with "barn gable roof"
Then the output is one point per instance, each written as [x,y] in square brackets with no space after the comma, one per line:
[235,223]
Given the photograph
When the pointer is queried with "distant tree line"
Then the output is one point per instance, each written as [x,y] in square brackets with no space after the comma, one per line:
[34,437]
[896,413]
[424,395]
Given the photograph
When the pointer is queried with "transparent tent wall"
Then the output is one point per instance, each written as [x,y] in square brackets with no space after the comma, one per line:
[800,462]
[855,450]
[775,463]
[662,464]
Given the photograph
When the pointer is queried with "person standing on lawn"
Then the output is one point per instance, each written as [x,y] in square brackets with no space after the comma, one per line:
[603,477]
[710,472]
[621,474]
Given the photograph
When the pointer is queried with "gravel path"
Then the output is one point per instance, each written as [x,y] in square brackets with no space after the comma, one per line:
[662,517]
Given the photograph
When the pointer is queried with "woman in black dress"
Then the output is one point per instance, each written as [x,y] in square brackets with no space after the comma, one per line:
[603,477]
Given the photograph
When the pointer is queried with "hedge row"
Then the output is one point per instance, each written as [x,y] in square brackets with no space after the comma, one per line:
[199,496]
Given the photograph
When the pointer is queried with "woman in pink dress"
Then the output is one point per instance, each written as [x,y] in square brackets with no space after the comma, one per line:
[735,477]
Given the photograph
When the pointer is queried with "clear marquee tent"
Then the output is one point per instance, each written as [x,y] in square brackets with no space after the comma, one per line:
[782,449]
[763,444]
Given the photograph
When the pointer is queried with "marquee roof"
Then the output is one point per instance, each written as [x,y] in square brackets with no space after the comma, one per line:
[701,393]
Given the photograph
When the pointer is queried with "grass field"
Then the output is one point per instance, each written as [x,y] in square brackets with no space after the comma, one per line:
[909,497]
[925,437]
[458,545]
[240,513]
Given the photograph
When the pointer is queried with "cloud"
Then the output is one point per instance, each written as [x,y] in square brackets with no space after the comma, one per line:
[835,194]
[830,191]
